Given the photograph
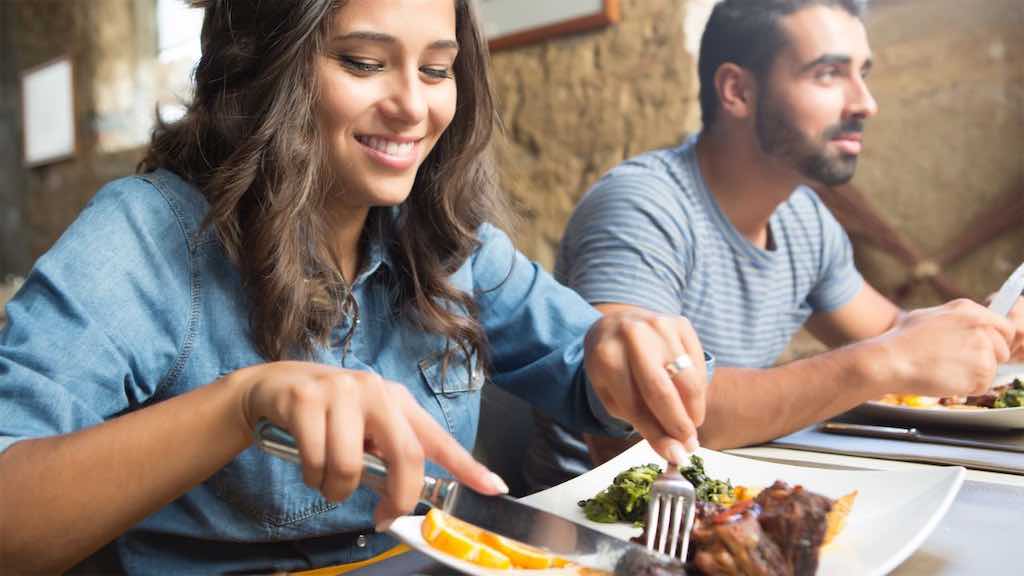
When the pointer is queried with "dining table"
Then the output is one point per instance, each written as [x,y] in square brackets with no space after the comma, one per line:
[978,535]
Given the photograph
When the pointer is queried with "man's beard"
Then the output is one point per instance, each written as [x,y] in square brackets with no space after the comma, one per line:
[779,137]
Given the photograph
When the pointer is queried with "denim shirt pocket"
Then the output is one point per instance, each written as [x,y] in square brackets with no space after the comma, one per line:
[457,392]
[268,490]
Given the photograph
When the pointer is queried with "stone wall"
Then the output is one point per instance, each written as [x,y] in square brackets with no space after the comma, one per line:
[577,106]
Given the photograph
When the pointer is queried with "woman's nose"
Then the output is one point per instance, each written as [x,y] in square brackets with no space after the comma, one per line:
[407,101]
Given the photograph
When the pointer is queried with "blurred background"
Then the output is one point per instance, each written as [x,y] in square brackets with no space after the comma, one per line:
[936,209]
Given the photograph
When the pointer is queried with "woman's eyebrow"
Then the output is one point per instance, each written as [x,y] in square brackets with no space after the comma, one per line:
[382,38]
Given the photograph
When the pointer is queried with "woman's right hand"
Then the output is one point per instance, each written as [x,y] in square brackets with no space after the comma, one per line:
[336,414]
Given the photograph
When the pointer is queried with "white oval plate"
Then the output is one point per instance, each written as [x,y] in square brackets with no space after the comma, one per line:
[908,503]
[981,419]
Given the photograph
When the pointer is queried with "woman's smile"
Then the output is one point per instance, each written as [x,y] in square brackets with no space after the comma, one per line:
[393,152]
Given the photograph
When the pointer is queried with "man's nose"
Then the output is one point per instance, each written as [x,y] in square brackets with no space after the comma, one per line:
[861,102]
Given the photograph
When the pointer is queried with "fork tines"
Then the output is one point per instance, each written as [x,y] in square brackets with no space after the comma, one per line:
[670,514]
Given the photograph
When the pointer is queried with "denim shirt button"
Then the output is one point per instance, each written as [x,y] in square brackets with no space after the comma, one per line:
[361,541]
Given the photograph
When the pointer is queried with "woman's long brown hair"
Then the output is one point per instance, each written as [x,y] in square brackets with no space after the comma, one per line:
[251,143]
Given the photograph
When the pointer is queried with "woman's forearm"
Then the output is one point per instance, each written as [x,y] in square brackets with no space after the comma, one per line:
[64,497]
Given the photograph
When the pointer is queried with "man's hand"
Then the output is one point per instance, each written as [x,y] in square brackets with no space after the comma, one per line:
[948,350]
[1016,318]
[626,358]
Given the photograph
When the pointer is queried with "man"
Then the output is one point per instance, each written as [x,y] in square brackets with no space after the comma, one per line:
[725,231]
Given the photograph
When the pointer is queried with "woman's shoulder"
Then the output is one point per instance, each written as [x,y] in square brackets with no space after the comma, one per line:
[158,200]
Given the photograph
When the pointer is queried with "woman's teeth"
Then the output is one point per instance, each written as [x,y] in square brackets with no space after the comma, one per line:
[388,147]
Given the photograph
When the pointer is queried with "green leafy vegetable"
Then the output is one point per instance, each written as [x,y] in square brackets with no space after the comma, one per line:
[708,489]
[1012,397]
[626,499]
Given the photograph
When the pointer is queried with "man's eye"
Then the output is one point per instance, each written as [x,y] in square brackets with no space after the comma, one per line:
[360,65]
[829,73]
[439,72]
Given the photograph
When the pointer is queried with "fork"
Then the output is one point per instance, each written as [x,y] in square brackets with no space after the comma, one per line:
[674,501]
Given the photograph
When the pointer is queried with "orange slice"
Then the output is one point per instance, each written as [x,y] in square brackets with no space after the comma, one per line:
[522,555]
[443,532]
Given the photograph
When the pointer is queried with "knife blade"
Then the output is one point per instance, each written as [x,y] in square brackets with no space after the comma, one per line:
[1008,293]
[500,514]
[912,435]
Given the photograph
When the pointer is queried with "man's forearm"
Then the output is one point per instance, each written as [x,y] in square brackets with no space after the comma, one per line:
[750,406]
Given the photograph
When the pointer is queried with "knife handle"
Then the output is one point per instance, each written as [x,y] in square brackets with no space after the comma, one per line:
[869,430]
[279,442]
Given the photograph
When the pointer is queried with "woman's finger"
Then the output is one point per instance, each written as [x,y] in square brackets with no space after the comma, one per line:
[308,426]
[692,384]
[656,388]
[668,447]
[690,379]
[398,445]
[442,448]
[343,452]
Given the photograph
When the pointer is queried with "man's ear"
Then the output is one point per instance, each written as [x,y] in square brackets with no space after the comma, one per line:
[736,89]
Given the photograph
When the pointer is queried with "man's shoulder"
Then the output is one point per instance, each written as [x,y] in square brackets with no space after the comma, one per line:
[654,176]
[659,162]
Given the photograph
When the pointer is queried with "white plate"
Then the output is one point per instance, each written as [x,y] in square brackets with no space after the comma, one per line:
[893,514]
[982,419]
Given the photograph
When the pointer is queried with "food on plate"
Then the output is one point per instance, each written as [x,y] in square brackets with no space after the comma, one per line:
[737,530]
[1009,395]
[627,498]
[478,546]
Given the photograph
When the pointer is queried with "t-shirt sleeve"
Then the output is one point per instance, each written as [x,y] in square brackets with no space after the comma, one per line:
[628,242]
[97,325]
[838,280]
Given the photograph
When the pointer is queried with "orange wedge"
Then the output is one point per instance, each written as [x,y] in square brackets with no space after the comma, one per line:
[522,555]
[443,532]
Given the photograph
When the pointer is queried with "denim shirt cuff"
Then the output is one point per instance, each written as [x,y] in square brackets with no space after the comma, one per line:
[618,427]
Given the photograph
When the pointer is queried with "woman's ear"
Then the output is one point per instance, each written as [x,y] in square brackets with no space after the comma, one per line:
[736,89]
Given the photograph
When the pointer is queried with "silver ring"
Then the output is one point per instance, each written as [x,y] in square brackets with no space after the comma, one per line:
[682,362]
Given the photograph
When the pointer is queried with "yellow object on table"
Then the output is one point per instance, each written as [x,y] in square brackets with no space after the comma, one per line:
[345,568]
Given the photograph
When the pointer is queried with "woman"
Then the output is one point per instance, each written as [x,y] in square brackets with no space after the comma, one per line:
[311,244]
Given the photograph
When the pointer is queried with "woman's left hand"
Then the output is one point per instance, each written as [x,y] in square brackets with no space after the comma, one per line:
[637,363]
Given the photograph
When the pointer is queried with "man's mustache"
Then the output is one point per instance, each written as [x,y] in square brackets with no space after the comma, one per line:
[853,125]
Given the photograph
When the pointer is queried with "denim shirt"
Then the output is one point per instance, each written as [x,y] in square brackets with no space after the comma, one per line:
[137,303]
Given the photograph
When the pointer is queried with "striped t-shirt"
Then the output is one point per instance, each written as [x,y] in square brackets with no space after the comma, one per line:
[649,233]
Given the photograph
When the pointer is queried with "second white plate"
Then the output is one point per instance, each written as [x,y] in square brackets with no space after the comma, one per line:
[982,419]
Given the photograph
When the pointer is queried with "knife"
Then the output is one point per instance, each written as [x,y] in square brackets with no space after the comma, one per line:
[500,514]
[1008,293]
[912,435]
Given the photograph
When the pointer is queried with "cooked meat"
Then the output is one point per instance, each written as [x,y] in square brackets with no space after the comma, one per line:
[777,534]
[796,519]
[732,543]
[642,563]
